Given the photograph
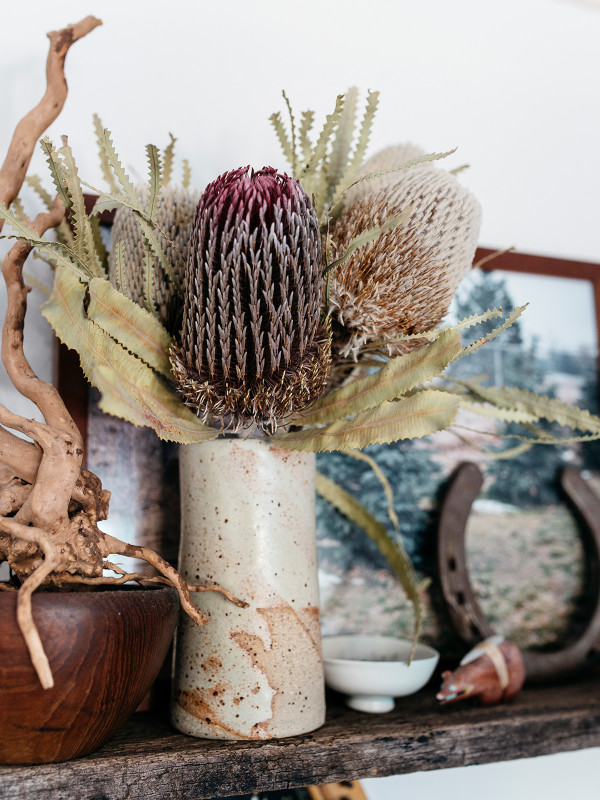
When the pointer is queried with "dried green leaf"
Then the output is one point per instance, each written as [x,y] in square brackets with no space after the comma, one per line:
[358,455]
[491,257]
[342,143]
[84,239]
[293,134]
[106,143]
[131,389]
[390,548]
[318,154]
[283,138]
[424,412]
[167,159]
[132,326]
[539,437]
[57,171]
[187,174]
[510,320]
[360,150]
[98,243]
[154,180]
[151,237]
[18,210]
[464,324]
[509,453]
[149,303]
[121,269]
[35,182]
[104,164]
[538,406]
[307,121]
[143,399]
[497,412]
[105,202]
[398,376]
[57,253]
[319,184]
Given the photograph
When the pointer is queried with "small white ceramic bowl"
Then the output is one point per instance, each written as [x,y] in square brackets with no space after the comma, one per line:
[373,670]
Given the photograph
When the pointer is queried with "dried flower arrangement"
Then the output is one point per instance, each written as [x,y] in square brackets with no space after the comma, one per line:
[305,309]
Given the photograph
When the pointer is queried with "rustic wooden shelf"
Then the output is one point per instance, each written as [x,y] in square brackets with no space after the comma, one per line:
[150,761]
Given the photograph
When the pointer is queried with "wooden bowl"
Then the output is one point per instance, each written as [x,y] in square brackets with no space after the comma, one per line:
[105,649]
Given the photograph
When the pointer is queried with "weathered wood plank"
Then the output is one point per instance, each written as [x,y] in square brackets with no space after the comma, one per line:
[150,761]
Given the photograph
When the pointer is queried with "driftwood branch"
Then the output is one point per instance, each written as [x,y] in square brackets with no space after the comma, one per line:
[49,506]
[33,124]
[60,440]
[20,457]
[150,557]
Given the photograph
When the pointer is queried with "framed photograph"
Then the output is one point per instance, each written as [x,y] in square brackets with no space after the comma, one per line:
[524,552]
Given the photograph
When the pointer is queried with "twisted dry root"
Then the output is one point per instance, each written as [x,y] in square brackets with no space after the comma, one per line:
[139,577]
[52,563]
[172,576]
[27,626]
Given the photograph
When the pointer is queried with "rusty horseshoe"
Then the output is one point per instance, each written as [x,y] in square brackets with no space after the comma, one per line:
[465,614]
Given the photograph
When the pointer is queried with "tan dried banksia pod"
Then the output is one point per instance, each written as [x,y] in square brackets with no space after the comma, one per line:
[390,157]
[175,215]
[404,282]
[253,349]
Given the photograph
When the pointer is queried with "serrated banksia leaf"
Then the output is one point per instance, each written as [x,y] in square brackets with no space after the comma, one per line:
[253,349]
[174,218]
[403,282]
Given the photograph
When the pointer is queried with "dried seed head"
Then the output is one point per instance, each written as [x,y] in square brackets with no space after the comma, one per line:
[403,282]
[252,347]
[390,157]
[176,208]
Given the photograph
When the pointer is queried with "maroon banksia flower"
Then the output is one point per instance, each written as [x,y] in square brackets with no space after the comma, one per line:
[253,349]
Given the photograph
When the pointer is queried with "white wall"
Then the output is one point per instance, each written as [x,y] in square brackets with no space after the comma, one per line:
[514,84]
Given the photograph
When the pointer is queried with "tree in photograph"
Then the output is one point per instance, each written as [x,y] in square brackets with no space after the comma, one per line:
[531,478]
[414,477]
[590,453]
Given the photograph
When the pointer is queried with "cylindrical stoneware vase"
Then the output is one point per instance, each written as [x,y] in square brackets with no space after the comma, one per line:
[248,524]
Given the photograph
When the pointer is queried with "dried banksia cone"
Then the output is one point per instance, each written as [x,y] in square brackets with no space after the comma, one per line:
[175,215]
[404,282]
[393,156]
[252,346]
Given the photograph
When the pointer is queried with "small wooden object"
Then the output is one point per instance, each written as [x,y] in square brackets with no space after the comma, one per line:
[105,649]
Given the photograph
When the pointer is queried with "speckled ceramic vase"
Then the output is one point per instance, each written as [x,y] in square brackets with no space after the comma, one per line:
[248,524]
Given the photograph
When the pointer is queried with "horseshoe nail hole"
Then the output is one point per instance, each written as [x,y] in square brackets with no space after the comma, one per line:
[452,564]
[460,598]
